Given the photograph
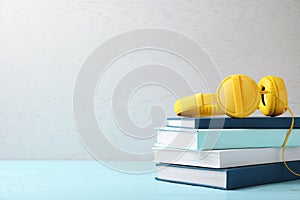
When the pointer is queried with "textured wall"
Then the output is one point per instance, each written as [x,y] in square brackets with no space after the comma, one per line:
[44,43]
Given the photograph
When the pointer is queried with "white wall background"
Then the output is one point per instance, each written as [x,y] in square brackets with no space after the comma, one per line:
[43,44]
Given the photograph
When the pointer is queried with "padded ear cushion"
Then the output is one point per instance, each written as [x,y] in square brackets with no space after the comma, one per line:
[275,101]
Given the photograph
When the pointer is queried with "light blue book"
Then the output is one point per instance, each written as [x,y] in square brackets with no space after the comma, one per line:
[206,139]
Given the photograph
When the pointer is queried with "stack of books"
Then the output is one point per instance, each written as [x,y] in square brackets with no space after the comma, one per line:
[227,153]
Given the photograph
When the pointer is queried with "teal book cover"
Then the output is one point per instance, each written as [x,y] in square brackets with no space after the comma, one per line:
[245,138]
[206,139]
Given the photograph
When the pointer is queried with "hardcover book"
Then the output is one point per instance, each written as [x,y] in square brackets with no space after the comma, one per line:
[225,158]
[232,123]
[231,178]
[207,139]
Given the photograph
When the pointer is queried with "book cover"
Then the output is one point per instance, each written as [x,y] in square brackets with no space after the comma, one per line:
[207,139]
[232,123]
[231,178]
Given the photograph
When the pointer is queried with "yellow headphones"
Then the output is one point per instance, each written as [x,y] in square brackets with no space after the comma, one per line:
[237,96]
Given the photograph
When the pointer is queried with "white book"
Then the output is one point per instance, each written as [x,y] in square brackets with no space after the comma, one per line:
[225,158]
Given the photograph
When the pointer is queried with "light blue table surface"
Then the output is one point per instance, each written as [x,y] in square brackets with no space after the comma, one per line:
[86,180]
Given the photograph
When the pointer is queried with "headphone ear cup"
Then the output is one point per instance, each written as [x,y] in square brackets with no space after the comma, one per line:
[238,95]
[275,101]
